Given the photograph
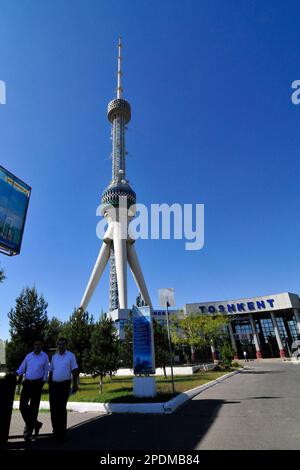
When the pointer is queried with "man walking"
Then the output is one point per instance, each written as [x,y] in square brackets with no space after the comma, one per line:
[35,367]
[62,368]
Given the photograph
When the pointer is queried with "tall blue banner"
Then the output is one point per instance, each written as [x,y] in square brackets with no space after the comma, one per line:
[143,343]
[14,198]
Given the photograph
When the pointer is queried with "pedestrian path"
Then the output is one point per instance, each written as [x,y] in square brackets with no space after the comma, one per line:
[256,409]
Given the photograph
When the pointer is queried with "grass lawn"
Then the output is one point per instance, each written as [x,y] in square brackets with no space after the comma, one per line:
[119,389]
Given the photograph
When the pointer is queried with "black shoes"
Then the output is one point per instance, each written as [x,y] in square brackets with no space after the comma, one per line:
[37,428]
[28,432]
[27,435]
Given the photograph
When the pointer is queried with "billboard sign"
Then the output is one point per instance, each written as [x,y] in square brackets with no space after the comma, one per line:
[143,342]
[14,199]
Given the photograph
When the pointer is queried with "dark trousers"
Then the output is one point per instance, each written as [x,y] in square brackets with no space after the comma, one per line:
[58,396]
[30,402]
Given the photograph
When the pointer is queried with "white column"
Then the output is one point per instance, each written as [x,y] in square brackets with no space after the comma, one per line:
[213,351]
[193,354]
[277,334]
[232,339]
[297,318]
[120,247]
[137,273]
[255,337]
[99,267]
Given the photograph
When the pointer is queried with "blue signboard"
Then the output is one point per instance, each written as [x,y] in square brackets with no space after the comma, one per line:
[14,199]
[143,344]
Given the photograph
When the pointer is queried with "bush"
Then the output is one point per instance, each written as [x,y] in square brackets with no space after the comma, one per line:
[226,354]
[235,364]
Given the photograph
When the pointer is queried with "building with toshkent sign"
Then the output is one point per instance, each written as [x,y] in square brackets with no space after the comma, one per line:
[264,327]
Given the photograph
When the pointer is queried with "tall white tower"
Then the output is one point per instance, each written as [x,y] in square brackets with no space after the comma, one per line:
[118,206]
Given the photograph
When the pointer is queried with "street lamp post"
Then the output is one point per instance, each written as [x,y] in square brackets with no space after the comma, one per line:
[166,299]
[170,347]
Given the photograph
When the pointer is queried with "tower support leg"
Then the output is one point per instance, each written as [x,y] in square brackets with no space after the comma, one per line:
[99,267]
[120,248]
[137,273]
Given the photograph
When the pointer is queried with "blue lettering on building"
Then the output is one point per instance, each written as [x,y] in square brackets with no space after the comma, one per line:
[260,304]
[238,307]
[241,307]
[230,308]
[251,305]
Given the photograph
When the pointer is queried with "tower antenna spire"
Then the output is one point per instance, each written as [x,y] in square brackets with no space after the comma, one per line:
[119,88]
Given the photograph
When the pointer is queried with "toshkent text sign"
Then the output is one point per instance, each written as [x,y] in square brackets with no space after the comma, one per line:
[248,305]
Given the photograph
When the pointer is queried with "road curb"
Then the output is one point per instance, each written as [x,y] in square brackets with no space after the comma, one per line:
[152,408]
[172,405]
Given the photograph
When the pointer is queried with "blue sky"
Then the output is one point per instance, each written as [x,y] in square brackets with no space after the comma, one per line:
[209,83]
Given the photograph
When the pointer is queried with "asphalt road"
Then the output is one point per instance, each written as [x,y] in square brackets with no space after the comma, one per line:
[255,409]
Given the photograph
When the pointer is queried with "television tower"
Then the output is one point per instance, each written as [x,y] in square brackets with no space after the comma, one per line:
[118,206]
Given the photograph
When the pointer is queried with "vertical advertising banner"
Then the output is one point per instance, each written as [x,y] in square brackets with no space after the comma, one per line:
[143,342]
[14,199]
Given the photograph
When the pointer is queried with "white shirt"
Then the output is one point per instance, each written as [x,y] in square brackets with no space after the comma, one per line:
[35,366]
[62,365]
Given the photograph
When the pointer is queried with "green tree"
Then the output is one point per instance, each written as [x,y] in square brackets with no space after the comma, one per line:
[199,331]
[27,321]
[78,330]
[188,332]
[139,301]
[103,358]
[227,354]
[53,331]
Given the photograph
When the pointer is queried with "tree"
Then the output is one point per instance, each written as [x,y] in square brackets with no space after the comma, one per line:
[214,328]
[139,301]
[188,332]
[199,331]
[27,321]
[53,331]
[103,358]
[161,346]
[78,331]
[227,354]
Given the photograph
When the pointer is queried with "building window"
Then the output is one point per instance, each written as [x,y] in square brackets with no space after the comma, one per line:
[267,327]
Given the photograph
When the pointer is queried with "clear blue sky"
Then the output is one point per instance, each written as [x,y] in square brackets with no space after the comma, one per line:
[209,83]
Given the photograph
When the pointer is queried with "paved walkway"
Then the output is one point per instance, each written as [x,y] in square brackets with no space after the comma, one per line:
[256,409]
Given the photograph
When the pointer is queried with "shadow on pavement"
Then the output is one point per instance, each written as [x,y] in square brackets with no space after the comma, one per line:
[261,398]
[182,430]
[255,371]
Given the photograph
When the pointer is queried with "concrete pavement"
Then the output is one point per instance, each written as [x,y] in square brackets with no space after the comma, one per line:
[256,409]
